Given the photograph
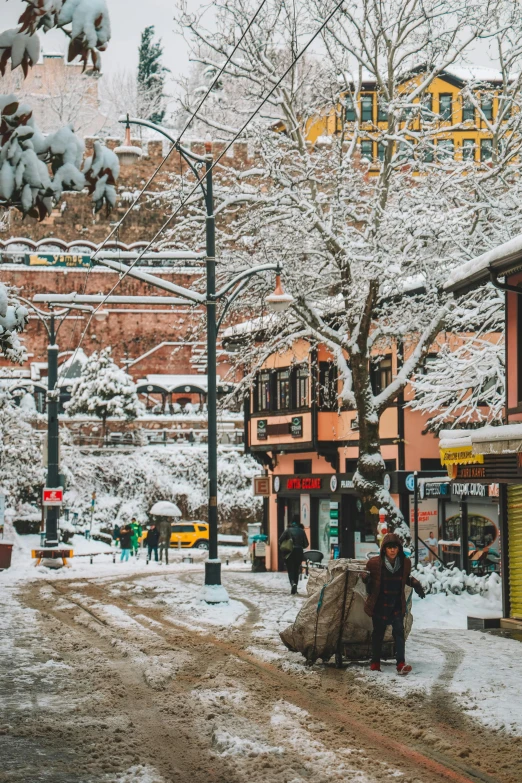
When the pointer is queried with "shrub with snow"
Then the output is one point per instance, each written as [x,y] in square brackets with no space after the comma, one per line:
[436,579]
[13,318]
[22,473]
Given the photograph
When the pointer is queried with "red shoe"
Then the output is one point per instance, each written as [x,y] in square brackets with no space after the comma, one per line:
[403,668]
[375,667]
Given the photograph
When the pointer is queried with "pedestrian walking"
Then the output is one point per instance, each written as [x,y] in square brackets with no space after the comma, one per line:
[432,547]
[135,537]
[125,542]
[292,544]
[386,577]
[153,541]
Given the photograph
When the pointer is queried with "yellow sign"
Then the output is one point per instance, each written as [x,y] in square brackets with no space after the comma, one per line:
[460,455]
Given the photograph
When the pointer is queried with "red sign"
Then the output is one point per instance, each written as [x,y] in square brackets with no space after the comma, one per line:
[52,497]
[262,486]
[303,483]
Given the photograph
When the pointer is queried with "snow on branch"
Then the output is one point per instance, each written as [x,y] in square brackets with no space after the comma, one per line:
[35,169]
[85,22]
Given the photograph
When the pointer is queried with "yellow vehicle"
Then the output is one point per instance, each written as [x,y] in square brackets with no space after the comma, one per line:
[189,535]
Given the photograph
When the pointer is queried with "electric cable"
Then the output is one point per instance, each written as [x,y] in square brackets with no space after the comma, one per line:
[214,164]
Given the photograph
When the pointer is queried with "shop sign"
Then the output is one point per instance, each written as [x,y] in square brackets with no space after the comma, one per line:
[410,482]
[50,259]
[471,471]
[333,483]
[472,490]
[429,490]
[261,429]
[52,497]
[304,483]
[277,483]
[296,427]
[304,504]
[494,490]
[460,455]
[262,486]
[346,484]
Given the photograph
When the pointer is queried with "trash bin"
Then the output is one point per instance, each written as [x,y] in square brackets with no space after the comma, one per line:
[5,555]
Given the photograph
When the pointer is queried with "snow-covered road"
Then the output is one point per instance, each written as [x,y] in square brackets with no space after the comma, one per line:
[118,672]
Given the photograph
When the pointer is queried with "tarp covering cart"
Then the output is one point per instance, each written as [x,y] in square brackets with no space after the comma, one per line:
[333,621]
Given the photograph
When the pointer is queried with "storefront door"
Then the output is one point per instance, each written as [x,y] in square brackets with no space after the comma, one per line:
[515,549]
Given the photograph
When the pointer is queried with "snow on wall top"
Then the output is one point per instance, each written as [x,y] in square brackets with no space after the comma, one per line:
[475,270]
[458,438]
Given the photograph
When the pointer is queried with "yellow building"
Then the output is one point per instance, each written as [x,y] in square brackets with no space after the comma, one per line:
[457,128]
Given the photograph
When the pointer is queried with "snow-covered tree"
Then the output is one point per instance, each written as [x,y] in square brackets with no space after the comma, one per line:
[22,474]
[85,22]
[151,78]
[13,318]
[104,389]
[365,248]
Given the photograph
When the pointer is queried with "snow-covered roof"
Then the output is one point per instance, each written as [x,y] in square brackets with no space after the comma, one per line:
[476,271]
[179,383]
[250,326]
[463,73]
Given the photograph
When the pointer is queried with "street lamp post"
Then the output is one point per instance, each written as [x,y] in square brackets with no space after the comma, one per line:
[278,301]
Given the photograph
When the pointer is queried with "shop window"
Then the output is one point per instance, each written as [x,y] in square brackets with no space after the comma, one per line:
[328,386]
[301,387]
[468,112]
[302,466]
[367,108]
[468,149]
[283,389]
[381,374]
[349,111]
[445,105]
[350,466]
[486,104]
[367,149]
[445,149]
[390,465]
[486,149]
[262,392]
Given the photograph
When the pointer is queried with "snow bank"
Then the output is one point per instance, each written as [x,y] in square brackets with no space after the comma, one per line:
[435,579]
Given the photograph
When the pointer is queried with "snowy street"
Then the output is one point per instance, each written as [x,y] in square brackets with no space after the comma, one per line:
[118,672]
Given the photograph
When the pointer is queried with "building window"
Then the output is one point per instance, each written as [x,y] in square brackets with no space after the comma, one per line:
[468,149]
[427,153]
[367,149]
[367,108]
[468,112]
[486,104]
[283,389]
[381,374]
[262,398]
[302,466]
[486,149]
[381,151]
[350,115]
[445,149]
[445,105]
[328,386]
[427,105]
[301,387]
[382,112]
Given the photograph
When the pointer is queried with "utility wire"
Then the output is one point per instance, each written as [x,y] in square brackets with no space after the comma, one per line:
[214,164]
[193,116]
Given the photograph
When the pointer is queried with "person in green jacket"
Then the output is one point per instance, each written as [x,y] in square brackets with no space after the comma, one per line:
[135,537]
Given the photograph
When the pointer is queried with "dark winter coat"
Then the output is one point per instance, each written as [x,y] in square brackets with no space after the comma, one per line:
[125,538]
[297,535]
[375,567]
[153,537]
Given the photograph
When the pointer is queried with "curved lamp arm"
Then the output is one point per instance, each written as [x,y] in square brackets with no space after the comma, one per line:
[247,273]
[186,154]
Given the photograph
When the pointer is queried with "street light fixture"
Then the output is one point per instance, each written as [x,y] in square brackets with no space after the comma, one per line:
[202,168]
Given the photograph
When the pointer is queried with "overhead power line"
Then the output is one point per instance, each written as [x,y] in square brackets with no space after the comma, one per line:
[217,160]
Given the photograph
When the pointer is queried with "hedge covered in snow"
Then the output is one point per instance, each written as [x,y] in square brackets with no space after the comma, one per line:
[128,485]
[436,579]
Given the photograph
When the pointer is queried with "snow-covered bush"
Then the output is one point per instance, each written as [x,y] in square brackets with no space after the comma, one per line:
[35,169]
[22,473]
[85,22]
[13,318]
[104,389]
[128,485]
[437,579]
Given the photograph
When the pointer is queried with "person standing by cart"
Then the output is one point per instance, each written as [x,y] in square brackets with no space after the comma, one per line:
[292,544]
[386,577]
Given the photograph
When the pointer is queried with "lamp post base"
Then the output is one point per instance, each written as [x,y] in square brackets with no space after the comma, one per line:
[213,591]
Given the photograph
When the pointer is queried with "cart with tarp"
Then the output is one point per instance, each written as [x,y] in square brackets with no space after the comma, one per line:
[332,621]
